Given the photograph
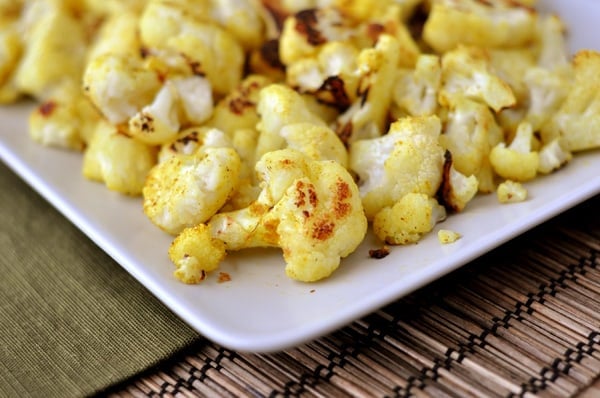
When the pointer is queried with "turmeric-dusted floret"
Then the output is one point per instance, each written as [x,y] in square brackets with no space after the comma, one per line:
[407,159]
[186,190]
[310,209]
[517,161]
[496,24]
[195,253]
[406,221]
[119,161]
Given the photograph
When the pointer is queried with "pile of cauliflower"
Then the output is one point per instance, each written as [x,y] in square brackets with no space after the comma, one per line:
[299,124]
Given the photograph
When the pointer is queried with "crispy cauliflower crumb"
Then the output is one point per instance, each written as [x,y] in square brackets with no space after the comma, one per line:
[194,252]
[446,236]
[414,215]
[511,192]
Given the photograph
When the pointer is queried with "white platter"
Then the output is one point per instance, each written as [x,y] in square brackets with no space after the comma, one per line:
[260,309]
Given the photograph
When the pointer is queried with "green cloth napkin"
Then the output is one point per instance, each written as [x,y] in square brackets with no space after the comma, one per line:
[72,321]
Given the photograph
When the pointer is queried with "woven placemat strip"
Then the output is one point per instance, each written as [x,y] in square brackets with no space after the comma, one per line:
[521,321]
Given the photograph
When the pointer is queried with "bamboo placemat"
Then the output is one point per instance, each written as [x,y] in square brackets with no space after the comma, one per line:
[523,320]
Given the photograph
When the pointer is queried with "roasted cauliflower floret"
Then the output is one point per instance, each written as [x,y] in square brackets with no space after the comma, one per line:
[237,110]
[195,252]
[119,86]
[315,141]
[180,102]
[310,209]
[416,90]
[192,140]
[242,18]
[117,35]
[467,72]
[497,23]
[55,50]
[577,121]
[66,120]
[407,159]
[330,74]
[511,192]
[119,161]
[456,189]
[364,10]
[182,28]
[469,134]
[367,116]
[278,106]
[186,190]
[553,156]
[306,31]
[547,91]
[517,161]
[413,216]
[11,50]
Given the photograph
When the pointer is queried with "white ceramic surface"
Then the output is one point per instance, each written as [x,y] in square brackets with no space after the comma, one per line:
[260,309]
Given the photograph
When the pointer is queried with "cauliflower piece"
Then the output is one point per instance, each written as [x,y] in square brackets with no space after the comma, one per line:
[55,50]
[329,75]
[553,156]
[469,134]
[456,189]
[367,116]
[242,18]
[195,252]
[237,110]
[446,236]
[117,35]
[119,86]
[363,10]
[306,31]
[119,161]
[516,161]
[182,28]
[547,90]
[66,120]
[491,24]
[278,106]
[186,190]
[467,72]
[388,19]
[577,121]
[510,65]
[552,43]
[315,141]
[11,50]
[310,209]
[407,159]
[180,101]
[416,90]
[265,61]
[408,220]
[511,192]
[192,140]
